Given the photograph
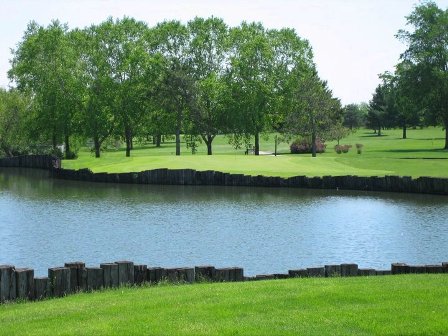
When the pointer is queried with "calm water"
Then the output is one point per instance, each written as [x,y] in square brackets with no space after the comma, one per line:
[44,223]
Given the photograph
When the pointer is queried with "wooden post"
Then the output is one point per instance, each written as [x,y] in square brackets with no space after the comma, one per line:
[25,283]
[434,269]
[238,274]
[41,288]
[140,274]
[417,269]
[7,283]
[399,268]
[332,270]
[59,278]
[366,272]
[125,272]
[187,274]
[204,273]
[349,270]
[298,273]
[110,275]
[95,278]
[77,275]
[316,272]
[155,274]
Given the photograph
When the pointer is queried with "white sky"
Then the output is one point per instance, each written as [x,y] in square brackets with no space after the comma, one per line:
[353,40]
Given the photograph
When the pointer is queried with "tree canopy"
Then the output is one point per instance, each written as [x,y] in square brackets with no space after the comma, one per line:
[123,79]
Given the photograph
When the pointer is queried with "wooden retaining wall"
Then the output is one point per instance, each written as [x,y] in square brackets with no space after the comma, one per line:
[406,184]
[20,283]
[31,161]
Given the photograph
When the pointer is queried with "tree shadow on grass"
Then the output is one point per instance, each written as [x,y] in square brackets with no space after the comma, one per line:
[434,150]
[373,136]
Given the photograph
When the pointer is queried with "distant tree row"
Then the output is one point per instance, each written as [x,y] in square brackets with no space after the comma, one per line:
[416,93]
[123,79]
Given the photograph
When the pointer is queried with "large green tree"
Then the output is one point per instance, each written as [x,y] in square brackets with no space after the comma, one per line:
[315,111]
[14,109]
[209,53]
[46,66]
[176,91]
[427,53]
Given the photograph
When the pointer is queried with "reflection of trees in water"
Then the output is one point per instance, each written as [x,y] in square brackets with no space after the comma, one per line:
[35,184]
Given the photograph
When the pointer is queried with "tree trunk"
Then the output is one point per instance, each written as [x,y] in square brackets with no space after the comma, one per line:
[313,144]
[127,136]
[158,140]
[209,146]
[404,131]
[178,126]
[379,130]
[178,141]
[67,147]
[446,134]
[257,144]
[96,143]
[54,141]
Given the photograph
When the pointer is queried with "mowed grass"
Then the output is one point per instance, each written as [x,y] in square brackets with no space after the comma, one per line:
[388,305]
[421,154]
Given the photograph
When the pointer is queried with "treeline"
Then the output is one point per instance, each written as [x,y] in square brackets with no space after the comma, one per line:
[416,93]
[123,79]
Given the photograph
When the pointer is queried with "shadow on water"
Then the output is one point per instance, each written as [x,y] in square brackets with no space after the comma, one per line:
[36,185]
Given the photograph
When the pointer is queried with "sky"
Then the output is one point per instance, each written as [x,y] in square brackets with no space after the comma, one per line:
[353,40]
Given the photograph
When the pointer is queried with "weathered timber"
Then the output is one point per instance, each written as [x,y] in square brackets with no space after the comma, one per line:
[59,281]
[417,269]
[125,272]
[41,288]
[383,272]
[298,273]
[316,271]
[78,277]
[7,283]
[399,268]
[24,283]
[349,270]
[366,272]
[332,270]
[204,273]
[435,269]
[110,275]
[140,274]
[95,278]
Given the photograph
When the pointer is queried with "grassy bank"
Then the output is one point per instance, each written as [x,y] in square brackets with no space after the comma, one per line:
[409,304]
[419,155]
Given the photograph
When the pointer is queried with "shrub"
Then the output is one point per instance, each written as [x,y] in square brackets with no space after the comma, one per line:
[304,146]
[342,148]
[359,148]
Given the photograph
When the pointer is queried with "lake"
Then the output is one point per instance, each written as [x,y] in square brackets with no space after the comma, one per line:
[45,222]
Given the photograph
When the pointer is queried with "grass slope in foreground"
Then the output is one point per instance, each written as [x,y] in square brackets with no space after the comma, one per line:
[419,155]
[409,304]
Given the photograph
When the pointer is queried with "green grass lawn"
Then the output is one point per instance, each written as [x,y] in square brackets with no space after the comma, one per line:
[394,305]
[419,155]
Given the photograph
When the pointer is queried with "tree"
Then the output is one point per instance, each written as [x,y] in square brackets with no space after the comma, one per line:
[46,66]
[427,54]
[14,107]
[250,78]
[176,90]
[377,110]
[354,116]
[208,50]
[315,112]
